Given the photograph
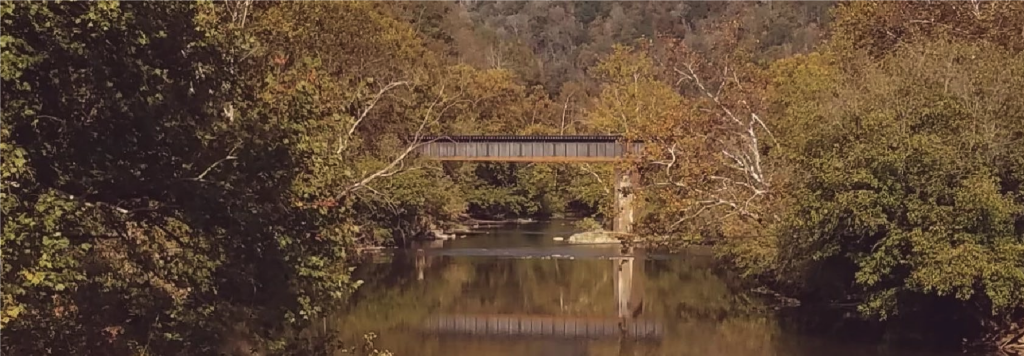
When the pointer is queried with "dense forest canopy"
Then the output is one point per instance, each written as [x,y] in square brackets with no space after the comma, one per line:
[171,165]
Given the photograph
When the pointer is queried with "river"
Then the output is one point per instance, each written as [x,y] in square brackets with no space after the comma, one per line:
[514,290]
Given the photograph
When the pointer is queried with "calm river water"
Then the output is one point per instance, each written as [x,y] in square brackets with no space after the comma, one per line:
[534,291]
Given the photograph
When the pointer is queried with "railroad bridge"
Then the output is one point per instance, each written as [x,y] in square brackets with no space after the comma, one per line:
[552,149]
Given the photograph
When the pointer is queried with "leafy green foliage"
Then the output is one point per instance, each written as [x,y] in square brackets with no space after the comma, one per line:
[588,224]
[927,200]
[163,166]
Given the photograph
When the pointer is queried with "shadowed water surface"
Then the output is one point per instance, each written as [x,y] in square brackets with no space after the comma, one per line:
[517,291]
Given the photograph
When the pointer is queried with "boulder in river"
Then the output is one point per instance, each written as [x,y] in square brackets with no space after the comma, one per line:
[594,237]
[440,235]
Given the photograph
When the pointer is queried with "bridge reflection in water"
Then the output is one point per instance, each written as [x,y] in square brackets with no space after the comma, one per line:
[628,278]
[533,325]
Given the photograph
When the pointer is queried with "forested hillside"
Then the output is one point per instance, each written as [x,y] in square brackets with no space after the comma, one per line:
[167,166]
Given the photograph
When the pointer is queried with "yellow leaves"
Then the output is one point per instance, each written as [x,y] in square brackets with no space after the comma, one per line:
[33,278]
[632,102]
[982,206]
[624,65]
[802,90]
[947,269]
[491,101]
[11,310]
[803,68]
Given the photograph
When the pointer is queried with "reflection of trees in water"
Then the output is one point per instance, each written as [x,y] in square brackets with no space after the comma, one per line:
[533,286]
[703,312]
[478,285]
[688,289]
[706,314]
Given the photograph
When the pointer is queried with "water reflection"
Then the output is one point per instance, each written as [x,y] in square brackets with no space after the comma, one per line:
[521,293]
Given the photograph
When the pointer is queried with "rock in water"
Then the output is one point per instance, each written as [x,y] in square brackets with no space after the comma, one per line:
[559,238]
[594,237]
[440,235]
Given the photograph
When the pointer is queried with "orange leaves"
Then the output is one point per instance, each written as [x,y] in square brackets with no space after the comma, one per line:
[327,203]
[63,307]
[112,332]
[312,76]
[279,59]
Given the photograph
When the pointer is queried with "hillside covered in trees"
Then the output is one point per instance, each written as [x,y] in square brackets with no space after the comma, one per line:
[167,166]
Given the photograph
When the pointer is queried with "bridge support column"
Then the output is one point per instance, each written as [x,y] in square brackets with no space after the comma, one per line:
[624,200]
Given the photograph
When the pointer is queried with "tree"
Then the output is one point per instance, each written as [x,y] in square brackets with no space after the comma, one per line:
[909,187]
[215,172]
[704,137]
[120,196]
[904,195]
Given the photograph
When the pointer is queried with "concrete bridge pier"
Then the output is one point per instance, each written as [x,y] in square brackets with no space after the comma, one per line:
[625,205]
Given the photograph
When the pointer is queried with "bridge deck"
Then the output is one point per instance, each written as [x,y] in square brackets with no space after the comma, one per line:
[592,148]
[525,325]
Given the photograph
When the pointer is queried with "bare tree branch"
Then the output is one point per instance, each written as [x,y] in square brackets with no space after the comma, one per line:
[669,164]
[565,107]
[586,168]
[240,11]
[230,156]
[343,141]
[397,164]
[740,149]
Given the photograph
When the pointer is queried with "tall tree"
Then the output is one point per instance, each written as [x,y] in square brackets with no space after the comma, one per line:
[906,194]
